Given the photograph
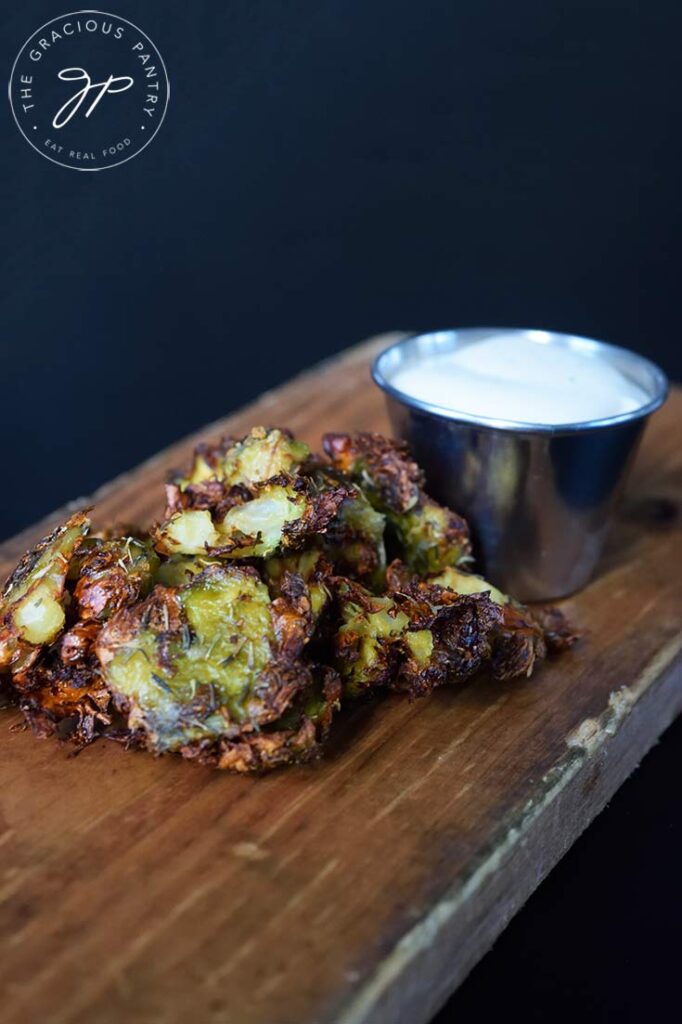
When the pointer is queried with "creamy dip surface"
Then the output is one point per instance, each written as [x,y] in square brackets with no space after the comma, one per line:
[510,376]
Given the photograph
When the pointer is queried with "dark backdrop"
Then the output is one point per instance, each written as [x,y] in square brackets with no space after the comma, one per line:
[329,169]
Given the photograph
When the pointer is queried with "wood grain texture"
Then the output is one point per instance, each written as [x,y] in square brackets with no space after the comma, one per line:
[362,888]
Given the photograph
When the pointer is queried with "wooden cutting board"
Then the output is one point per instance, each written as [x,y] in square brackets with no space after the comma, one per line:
[362,888]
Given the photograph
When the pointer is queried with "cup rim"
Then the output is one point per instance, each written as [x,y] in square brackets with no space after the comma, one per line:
[659,378]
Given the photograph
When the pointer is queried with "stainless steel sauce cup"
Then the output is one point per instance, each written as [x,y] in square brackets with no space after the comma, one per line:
[538,497]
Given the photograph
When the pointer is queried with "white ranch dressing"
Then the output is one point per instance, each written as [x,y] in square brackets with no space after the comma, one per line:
[515,377]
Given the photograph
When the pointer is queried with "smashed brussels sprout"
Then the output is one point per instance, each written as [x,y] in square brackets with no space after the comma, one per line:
[426,536]
[187,662]
[260,456]
[32,604]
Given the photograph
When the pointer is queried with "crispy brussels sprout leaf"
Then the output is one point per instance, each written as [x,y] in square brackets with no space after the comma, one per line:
[524,635]
[114,573]
[190,663]
[427,536]
[454,643]
[294,738]
[70,702]
[519,643]
[32,603]
[64,692]
[558,631]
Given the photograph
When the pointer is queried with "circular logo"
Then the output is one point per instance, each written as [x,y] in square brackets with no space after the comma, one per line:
[89,90]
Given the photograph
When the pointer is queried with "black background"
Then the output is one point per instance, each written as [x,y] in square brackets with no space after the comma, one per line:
[332,169]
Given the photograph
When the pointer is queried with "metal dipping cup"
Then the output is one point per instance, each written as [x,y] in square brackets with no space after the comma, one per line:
[538,498]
